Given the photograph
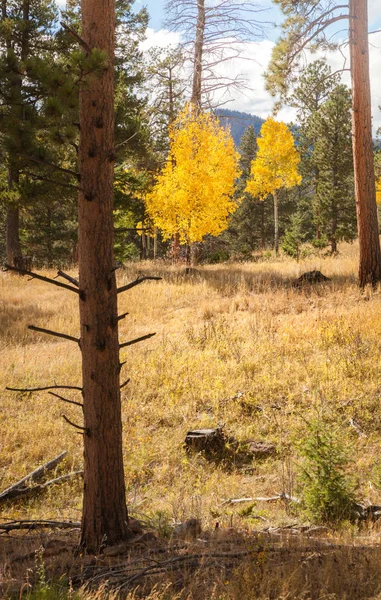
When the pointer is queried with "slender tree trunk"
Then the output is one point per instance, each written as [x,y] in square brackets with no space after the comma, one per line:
[276,223]
[263,235]
[365,188]
[13,246]
[104,518]
[198,50]
[154,243]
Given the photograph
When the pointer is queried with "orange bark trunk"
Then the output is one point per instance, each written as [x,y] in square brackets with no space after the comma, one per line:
[104,519]
[365,187]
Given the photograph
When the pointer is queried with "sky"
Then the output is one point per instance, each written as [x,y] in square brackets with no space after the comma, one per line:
[257,101]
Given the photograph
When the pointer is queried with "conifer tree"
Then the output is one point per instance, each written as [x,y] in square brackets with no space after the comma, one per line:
[25,30]
[332,155]
[305,26]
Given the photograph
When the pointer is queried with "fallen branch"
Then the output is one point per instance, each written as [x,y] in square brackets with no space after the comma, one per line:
[33,476]
[54,333]
[281,496]
[16,525]
[42,278]
[40,487]
[140,339]
[137,281]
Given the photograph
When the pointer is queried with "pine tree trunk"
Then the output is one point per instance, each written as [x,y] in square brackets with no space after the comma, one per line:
[13,246]
[198,50]
[365,188]
[104,518]
[276,224]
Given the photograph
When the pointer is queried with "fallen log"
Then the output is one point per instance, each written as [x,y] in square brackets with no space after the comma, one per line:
[38,524]
[18,488]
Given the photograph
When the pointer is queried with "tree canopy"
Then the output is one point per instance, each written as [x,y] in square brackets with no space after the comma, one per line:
[193,195]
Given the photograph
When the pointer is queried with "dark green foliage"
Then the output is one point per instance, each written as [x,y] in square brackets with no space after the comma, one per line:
[294,237]
[327,490]
[334,203]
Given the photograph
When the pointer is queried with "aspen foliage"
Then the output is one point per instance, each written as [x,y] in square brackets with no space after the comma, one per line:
[277,160]
[193,195]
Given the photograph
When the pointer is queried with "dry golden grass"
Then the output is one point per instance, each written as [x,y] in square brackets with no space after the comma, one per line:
[236,344]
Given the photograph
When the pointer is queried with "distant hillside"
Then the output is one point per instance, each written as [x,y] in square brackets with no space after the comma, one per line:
[238,122]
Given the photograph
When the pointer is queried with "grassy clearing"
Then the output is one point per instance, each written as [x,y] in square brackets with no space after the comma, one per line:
[235,345]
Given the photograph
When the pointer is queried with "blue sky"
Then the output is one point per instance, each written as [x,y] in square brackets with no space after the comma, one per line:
[257,100]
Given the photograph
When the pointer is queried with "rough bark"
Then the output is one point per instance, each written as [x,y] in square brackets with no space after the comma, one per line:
[365,188]
[104,518]
[198,50]
[13,247]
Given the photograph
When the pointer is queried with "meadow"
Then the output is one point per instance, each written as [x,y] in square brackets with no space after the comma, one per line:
[237,346]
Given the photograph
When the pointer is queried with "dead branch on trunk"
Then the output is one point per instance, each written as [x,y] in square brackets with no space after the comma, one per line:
[125,383]
[42,389]
[54,333]
[66,399]
[41,278]
[137,340]
[122,316]
[68,277]
[137,281]
[33,476]
[42,524]
[77,37]
[84,430]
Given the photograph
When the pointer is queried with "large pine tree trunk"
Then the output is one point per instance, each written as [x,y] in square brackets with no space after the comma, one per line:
[365,188]
[104,519]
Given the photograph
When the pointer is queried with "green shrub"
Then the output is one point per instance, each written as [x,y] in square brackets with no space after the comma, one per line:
[327,490]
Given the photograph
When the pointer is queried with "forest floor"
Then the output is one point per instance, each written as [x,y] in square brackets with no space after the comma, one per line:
[236,345]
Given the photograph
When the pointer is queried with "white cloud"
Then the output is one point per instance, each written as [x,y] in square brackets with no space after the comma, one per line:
[160,39]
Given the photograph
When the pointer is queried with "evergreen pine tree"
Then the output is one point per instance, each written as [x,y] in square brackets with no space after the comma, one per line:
[332,154]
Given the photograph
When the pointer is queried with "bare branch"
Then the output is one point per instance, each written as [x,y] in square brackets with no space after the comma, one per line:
[68,277]
[137,340]
[123,316]
[125,383]
[42,278]
[137,281]
[54,333]
[77,188]
[51,165]
[66,399]
[42,389]
[84,430]
[77,37]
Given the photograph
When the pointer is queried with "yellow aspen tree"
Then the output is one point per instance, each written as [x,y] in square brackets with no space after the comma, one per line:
[193,195]
[275,166]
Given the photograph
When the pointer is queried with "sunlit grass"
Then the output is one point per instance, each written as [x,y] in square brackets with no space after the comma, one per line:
[236,345]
